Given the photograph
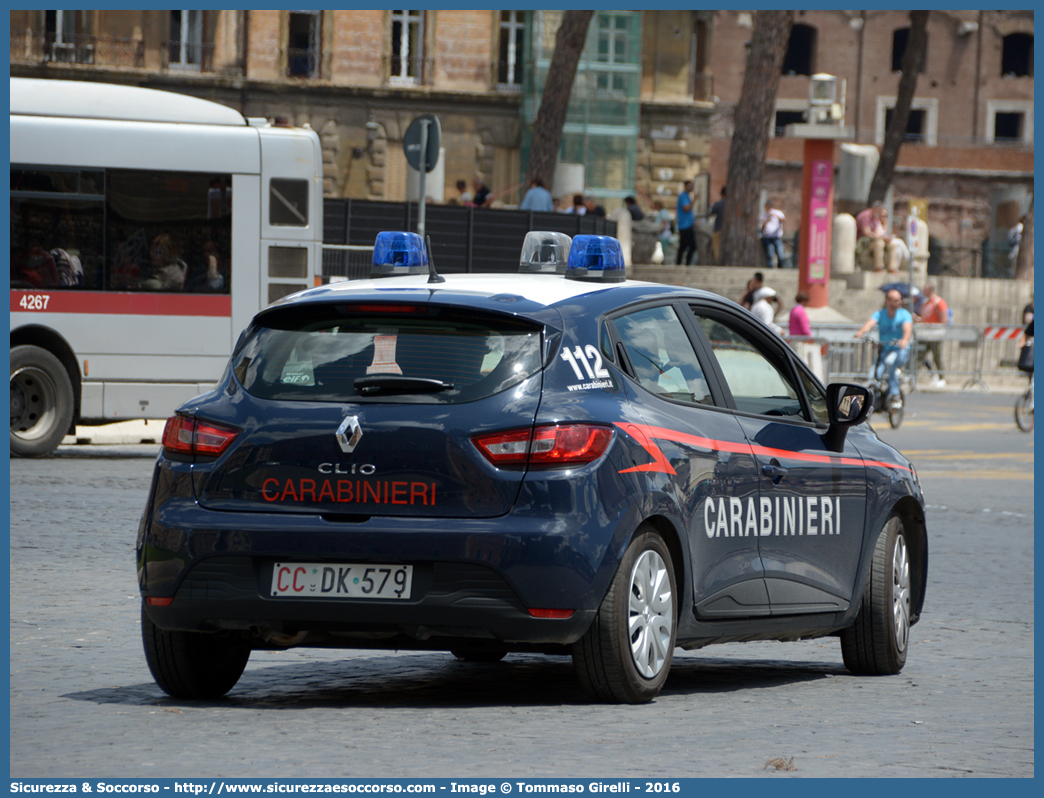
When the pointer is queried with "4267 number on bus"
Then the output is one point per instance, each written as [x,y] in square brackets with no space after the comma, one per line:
[34,301]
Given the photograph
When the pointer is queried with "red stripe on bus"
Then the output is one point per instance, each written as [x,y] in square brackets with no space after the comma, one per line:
[120,303]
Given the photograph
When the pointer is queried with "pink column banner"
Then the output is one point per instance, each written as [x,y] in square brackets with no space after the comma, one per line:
[820,221]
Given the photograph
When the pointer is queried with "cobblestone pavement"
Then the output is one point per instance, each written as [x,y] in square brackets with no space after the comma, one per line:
[83,703]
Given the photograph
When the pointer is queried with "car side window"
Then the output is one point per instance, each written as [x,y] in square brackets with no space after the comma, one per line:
[758,386]
[662,356]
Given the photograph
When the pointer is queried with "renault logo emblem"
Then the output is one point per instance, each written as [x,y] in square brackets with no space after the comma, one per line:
[349,434]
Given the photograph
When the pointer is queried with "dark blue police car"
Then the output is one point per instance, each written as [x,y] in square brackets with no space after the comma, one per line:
[553,462]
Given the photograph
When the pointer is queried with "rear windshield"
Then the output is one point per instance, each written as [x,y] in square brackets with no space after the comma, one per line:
[318,353]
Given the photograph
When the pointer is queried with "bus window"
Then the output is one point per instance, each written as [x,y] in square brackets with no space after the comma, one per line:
[288,202]
[165,232]
[120,230]
[57,228]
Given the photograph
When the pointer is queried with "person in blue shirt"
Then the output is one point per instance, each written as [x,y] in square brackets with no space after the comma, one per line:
[895,329]
[686,224]
[537,198]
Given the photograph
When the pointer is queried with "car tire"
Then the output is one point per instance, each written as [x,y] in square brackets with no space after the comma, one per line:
[192,665]
[479,654]
[626,654]
[41,401]
[876,644]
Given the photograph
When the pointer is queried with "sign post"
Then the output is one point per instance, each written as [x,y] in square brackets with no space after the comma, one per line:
[824,127]
[421,145]
[817,221]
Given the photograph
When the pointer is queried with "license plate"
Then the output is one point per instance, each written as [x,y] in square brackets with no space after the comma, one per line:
[324,580]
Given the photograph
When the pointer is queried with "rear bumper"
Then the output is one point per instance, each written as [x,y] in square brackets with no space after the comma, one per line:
[450,602]
[473,579]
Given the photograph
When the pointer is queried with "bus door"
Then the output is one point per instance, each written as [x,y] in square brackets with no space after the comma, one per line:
[291,211]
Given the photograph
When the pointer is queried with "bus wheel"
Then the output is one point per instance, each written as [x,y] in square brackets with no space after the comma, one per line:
[41,401]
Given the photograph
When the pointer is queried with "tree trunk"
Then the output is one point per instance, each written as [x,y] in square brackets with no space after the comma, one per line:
[754,117]
[896,132]
[547,127]
[1024,260]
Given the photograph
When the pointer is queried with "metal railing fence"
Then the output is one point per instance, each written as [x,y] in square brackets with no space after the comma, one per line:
[967,352]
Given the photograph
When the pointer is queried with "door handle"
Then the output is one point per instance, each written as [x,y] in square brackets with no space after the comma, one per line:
[774,471]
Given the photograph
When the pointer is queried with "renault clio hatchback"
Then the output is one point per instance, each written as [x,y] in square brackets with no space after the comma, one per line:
[542,462]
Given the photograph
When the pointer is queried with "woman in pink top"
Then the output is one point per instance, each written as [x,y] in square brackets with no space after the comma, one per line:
[799,323]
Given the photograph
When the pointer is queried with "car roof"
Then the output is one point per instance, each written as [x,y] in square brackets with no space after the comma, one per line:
[544,290]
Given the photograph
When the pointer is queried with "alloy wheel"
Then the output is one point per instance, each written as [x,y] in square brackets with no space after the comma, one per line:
[901,593]
[650,614]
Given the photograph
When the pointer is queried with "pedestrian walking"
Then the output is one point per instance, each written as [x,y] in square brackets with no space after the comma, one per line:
[686,225]
[753,284]
[483,196]
[718,212]
[665,233]
[799,323]
[578,207]
[772,234]
[933,310]
[537,198]
[766,305]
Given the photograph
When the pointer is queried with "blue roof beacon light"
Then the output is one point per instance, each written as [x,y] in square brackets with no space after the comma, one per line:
[597,259]
[396,254]
[544,253]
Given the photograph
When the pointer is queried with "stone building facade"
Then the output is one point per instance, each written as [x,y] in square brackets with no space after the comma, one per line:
[360,77]
[969,147]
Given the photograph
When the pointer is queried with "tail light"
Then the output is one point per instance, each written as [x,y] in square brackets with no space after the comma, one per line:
[556,445]
[184,435]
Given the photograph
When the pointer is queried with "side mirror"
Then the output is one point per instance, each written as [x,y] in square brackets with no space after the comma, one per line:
[847,405]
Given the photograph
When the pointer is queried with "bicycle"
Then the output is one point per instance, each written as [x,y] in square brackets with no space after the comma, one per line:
[1024,410]
[894,405]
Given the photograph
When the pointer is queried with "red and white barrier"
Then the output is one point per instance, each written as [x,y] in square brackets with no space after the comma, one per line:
[1001,333]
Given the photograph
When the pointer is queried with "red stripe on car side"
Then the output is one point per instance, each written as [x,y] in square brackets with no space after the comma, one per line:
[645,435]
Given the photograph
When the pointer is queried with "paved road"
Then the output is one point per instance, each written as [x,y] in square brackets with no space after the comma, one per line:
[83,704]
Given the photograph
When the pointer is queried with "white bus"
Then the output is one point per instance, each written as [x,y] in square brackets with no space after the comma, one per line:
[147,228]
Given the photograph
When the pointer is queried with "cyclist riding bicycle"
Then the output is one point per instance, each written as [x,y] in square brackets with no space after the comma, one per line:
[1024,404]
[895,329]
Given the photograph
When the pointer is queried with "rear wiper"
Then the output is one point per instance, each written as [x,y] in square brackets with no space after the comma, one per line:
[394,383]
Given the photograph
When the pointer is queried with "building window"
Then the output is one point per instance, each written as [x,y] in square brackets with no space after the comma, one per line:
[63,43]
[702,81]
[801,51]
[1017,57]
[922,127]
[1007,126]
[302,50]
[915,130]
[613,38]
[1009,121]
[784,118]
[407,47]
[186,39]
[512,33]
[614,43]
[899,41]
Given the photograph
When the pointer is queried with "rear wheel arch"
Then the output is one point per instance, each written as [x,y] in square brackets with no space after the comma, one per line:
[667,531]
